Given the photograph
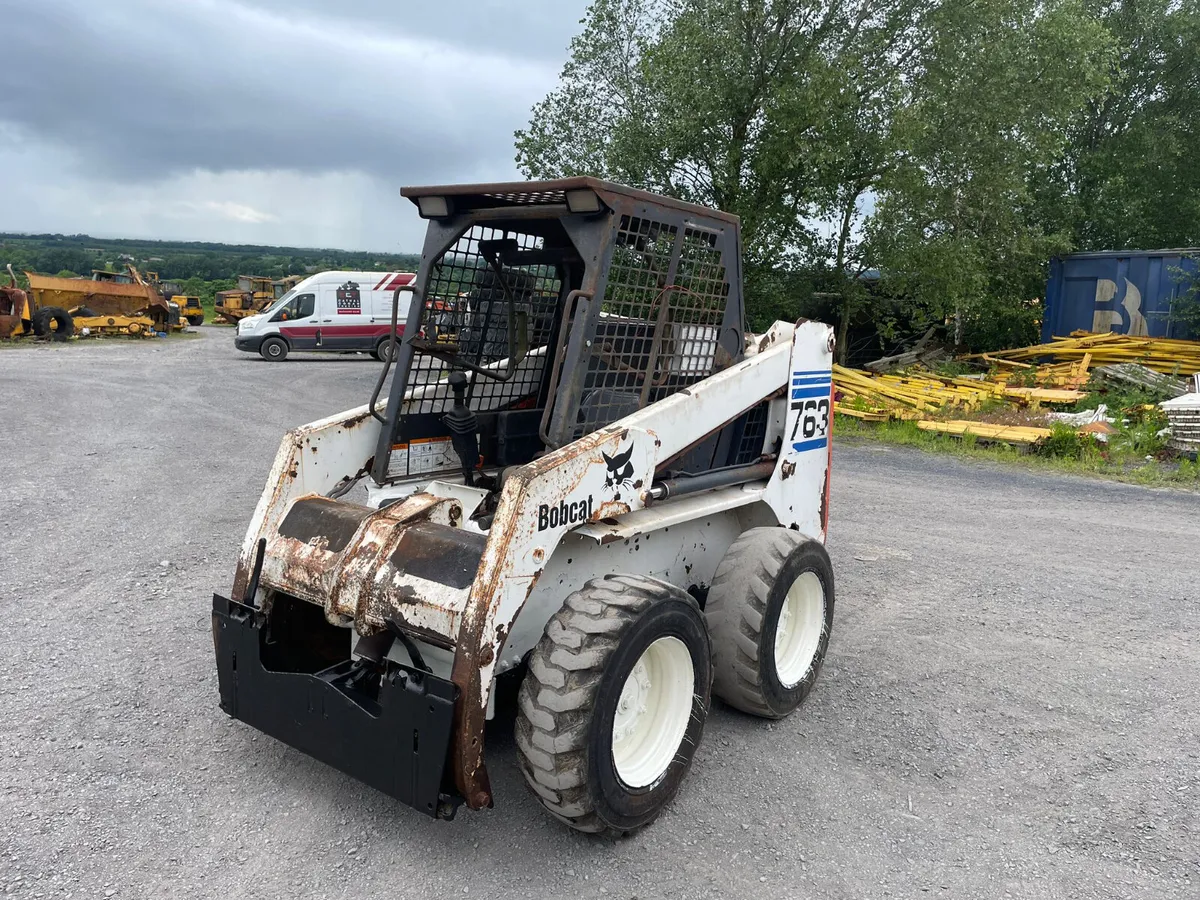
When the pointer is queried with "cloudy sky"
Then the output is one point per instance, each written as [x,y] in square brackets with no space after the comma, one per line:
[262,121]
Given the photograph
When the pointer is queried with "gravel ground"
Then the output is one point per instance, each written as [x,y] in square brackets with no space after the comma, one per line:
[1010,705]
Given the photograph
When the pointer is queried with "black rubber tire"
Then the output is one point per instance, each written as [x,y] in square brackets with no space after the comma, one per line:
[47,314]
[569,697]
[383,350]
[742,611]
[196,320]
[274,349]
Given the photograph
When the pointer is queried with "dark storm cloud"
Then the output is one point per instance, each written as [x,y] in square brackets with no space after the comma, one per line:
[140,90]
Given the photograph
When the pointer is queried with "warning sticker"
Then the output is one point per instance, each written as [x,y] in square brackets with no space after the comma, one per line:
[418,457]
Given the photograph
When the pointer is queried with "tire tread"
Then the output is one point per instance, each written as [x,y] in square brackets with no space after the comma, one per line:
[565,670]
[735,612]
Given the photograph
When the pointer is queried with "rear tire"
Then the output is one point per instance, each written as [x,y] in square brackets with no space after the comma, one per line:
[64,324]
[383,350]
[769,613]
[274,349]
[614,703]
[196,320]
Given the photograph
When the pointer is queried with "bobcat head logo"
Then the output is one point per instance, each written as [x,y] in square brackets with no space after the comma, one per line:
[620,469]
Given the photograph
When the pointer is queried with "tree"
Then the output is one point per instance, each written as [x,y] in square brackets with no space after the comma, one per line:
[847,134]
[993,95]
[1130,176]
[775,110]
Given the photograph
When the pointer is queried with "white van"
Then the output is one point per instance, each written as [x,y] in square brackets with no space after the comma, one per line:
[335,311]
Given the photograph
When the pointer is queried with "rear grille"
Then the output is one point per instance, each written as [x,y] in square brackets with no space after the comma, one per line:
[753,434]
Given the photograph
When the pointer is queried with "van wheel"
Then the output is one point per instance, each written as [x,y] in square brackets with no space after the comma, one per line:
[274,349]
[613,706]
[384,350]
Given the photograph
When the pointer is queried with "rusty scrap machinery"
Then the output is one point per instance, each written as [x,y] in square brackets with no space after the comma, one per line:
[592,480]
[109,302]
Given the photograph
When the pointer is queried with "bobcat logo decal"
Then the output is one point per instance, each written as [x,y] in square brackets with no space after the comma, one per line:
[618,472]
[620,469]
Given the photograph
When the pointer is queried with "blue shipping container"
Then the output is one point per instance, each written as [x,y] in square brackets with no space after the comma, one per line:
[1127,291]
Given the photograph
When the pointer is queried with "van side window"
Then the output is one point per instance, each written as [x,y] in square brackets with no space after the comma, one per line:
[300,307]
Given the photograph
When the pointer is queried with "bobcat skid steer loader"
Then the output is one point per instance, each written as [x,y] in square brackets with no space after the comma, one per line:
[597,481]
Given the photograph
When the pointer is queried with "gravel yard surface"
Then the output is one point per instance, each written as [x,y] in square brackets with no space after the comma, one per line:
[1010,706]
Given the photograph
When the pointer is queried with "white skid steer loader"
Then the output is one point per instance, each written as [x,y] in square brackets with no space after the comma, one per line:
[587,475]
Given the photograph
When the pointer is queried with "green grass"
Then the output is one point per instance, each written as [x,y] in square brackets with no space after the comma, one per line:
[1124,459]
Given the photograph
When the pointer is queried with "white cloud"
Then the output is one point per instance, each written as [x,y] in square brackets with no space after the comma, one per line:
[239,212]
[350,210]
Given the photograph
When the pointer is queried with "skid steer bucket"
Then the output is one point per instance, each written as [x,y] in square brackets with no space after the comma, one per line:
[393,733]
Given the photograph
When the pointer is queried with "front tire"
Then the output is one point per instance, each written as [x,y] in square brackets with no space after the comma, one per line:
[770,613]
[384,350]
[274,349]
[613,707]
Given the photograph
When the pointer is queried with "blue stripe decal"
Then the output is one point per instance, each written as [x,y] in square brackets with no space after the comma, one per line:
[828,373]
[803,393]
[810,379]
[815,444]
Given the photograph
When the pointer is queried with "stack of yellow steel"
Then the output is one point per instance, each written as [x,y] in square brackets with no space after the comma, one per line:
[923,392]
[869,396]
[1069,375]
[1167,355]
[1009,434]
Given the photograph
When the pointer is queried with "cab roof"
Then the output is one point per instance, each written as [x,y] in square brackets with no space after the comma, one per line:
[517,194]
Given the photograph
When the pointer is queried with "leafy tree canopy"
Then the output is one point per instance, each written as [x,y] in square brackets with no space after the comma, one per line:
[953,145]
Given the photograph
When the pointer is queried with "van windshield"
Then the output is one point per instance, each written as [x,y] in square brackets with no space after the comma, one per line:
[281,302]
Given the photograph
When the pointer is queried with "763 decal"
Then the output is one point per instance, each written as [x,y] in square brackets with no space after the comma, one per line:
[810,406]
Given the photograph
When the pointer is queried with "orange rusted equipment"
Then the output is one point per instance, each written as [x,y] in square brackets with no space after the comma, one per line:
[253,294]
[108,302]
[15,311]
[22,313]
[586,477]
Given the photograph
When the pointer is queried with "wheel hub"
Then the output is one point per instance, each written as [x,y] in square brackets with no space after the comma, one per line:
[653,712]
[632,704]
[798,629]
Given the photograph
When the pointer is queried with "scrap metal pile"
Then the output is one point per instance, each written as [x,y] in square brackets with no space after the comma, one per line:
[1030,378]
[1166,355]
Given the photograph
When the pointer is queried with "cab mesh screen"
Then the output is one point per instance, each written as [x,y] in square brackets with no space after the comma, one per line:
[660,321]
[466,310]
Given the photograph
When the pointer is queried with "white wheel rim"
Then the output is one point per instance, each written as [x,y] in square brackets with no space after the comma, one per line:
[798,632]
[653,712]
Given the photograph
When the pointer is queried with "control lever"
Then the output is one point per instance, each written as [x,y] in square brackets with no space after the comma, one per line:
[464,428]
